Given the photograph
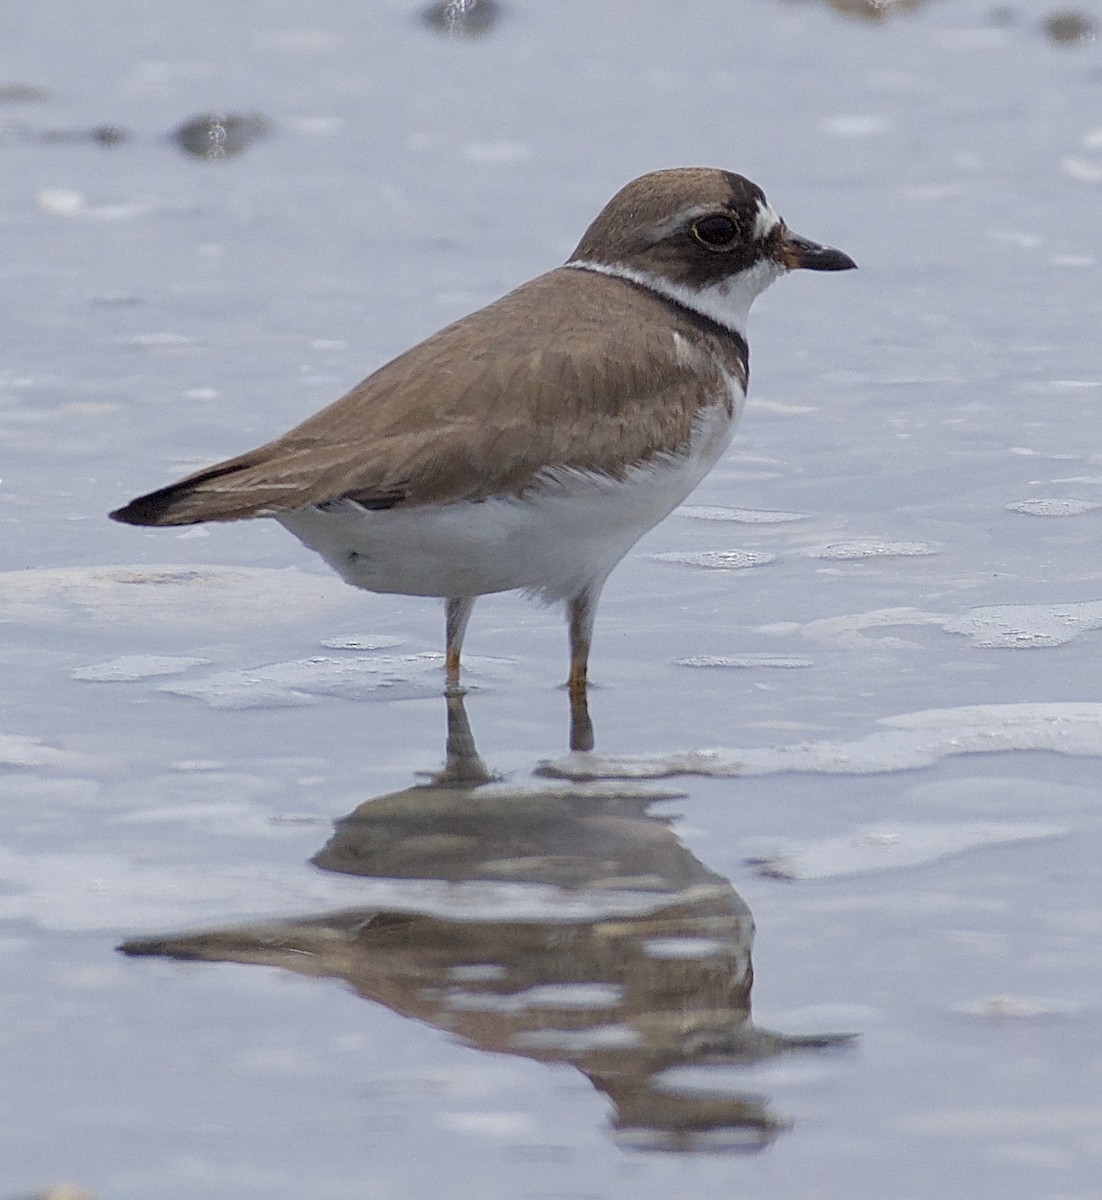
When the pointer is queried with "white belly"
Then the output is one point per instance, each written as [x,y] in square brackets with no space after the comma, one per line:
[563,536]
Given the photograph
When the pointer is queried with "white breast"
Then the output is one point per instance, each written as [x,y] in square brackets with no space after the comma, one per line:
[561,536]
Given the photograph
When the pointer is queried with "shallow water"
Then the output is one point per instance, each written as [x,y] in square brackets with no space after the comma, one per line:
[847,695]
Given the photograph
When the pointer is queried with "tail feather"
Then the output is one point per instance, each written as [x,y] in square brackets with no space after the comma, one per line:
[193,500]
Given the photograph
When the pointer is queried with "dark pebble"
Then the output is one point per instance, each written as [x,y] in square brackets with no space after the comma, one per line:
[220,135]
[1069,28]
[874,10]
[463,18]
[105,135]
[22,93]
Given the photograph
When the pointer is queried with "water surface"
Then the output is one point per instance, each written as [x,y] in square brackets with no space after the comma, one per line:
[846,701]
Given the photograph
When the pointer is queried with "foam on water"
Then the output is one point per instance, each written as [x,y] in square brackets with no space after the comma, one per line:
[167,597]
[903,844]
[993,626]
[309,680]
[746,661]
[716,560]
[913,740]
[1054,507]
[17,750]
[872,548]
[740,516]
[129,667]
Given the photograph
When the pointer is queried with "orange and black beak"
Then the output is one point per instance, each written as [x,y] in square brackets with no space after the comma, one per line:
[794,252]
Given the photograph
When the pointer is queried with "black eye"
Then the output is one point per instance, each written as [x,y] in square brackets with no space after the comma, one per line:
[716,232]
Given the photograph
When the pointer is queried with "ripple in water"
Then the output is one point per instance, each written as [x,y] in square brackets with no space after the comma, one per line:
[850,551]
[1054,507]
[716,560]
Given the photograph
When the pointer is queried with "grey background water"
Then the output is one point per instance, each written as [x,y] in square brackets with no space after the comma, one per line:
[184,714]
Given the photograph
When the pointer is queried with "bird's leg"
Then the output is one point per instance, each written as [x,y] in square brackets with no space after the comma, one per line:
[457,612]
[581,727]
[463,766]
[580,613]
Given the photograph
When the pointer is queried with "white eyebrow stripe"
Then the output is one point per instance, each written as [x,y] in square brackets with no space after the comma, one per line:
[766,220]
[660,232]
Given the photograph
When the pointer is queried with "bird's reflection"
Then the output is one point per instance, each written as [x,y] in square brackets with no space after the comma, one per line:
[606,944]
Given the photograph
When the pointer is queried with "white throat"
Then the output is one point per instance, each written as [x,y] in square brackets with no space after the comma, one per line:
[727,302]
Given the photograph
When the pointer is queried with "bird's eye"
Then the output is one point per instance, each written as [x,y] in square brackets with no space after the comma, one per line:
[715,232]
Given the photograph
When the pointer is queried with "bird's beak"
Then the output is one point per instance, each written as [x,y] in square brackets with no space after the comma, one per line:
[796,252]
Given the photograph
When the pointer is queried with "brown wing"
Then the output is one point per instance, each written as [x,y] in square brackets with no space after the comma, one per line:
[565,372]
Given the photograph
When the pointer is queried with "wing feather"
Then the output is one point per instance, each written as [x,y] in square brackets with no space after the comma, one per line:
[482,408]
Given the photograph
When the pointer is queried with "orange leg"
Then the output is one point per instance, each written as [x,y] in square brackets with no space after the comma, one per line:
[457,612]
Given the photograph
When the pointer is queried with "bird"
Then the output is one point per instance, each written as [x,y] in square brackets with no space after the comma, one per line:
[529,445]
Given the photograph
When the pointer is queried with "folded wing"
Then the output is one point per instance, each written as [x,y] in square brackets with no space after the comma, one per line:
[560,374]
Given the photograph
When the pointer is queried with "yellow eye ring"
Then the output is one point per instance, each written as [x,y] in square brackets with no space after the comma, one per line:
[715,232]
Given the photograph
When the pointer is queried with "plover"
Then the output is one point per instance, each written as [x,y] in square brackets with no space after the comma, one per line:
[529,445]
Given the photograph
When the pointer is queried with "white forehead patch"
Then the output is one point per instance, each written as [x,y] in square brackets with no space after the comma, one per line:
[766,220]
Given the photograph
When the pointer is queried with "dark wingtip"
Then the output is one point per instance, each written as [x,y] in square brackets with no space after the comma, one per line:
[151,509]
[126,515]
[138,947]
